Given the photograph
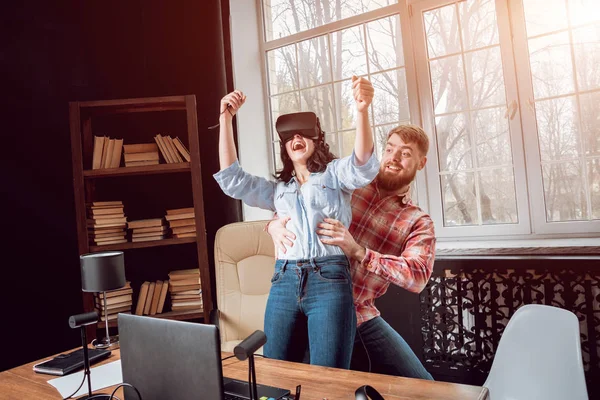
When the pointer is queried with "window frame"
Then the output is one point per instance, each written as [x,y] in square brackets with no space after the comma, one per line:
[529,191]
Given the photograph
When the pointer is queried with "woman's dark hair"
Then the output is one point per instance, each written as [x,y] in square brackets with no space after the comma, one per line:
[317,162]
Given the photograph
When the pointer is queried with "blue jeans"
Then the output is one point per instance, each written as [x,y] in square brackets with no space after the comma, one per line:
[310,303]
[388,353]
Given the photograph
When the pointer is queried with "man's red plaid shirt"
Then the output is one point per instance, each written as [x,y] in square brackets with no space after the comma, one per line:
[400,243]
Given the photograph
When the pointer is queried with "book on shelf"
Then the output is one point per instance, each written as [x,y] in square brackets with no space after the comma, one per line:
[148,302]
[163,297]
[106,222]
[172,150]
[184,274]
[174,211]
[106,152]
[145,223]
[124,298]
[156,297]
[182,222]
[182,150]
[139,308]
[137,155]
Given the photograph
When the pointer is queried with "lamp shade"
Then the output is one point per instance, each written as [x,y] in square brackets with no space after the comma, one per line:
[102,271]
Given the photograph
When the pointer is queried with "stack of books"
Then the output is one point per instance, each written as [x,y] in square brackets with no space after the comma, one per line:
[145,230]
[185,290]
[182,222]
[117,301]
[106,222]
[137,155]
[172,150]
[151,299]
[107,152]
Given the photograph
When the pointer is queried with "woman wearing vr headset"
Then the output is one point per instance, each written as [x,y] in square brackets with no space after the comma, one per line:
[310,302]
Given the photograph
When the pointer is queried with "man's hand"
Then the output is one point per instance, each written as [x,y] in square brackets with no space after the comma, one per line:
[363,91]
[338,235]
[280,235]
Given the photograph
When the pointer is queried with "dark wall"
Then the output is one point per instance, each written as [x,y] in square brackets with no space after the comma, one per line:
[56,52]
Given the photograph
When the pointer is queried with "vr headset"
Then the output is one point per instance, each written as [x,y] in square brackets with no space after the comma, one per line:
[303,123]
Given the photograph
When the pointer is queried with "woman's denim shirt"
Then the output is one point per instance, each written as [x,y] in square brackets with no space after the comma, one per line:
[325,195]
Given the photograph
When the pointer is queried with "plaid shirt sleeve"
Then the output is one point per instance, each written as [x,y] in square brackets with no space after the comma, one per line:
[412,269]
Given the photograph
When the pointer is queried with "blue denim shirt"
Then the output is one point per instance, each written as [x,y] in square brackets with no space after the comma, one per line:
[325,195]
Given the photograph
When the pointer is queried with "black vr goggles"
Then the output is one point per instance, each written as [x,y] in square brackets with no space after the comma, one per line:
[303,123]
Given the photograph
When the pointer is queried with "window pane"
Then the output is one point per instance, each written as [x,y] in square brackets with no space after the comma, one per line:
[384,38]
[485,78]
[551,67]
[490,129]
[542,16]
[287,17]
[347,142]
[587,56]
[557,128]
[590,122]
[498,198]
[593,167]
[332,141]
[448,85]
[441,28]
[320,101]
[458,191]
[564,192]
[584,11]
[345,105]
[478,21]
[348,52]
[283,69]
[390,102]
[453,142]
[313,55]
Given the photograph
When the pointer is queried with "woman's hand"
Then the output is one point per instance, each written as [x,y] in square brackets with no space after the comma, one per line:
[231,103]
[363,91]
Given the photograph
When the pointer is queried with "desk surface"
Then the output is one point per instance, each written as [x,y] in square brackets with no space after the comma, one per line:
[317,382]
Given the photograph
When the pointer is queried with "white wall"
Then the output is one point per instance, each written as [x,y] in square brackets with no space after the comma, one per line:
[254,148]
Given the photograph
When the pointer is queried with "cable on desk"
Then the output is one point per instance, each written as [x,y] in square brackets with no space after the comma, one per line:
[76,390]
[112,395]
[222,359]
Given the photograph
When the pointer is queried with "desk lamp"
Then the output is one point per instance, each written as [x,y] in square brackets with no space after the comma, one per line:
[102,272]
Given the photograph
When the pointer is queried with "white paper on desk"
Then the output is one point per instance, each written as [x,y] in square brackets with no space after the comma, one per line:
[103,376]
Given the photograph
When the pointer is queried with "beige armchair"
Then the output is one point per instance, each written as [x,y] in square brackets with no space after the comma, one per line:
[244,264]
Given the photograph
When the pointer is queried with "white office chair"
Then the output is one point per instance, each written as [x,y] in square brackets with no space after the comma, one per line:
[244,265]
[538,357]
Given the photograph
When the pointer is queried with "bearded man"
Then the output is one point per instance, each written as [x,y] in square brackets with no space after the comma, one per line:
[390,240]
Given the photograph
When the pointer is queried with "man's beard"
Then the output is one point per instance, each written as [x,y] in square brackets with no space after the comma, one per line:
[390,183]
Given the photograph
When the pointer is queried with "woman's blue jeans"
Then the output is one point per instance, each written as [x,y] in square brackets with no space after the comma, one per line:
[310,303]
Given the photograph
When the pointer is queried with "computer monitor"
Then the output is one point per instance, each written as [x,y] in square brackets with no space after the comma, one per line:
[167,359]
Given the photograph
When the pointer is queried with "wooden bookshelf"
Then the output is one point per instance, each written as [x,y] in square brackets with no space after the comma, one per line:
[83,119]
[132,171]
[141,245]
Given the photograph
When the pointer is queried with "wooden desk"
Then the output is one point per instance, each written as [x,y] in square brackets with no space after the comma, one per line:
[317,382]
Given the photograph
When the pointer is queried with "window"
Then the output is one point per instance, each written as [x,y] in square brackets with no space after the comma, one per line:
[509,91]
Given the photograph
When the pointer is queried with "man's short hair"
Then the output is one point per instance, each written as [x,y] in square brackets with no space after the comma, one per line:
[412,134]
